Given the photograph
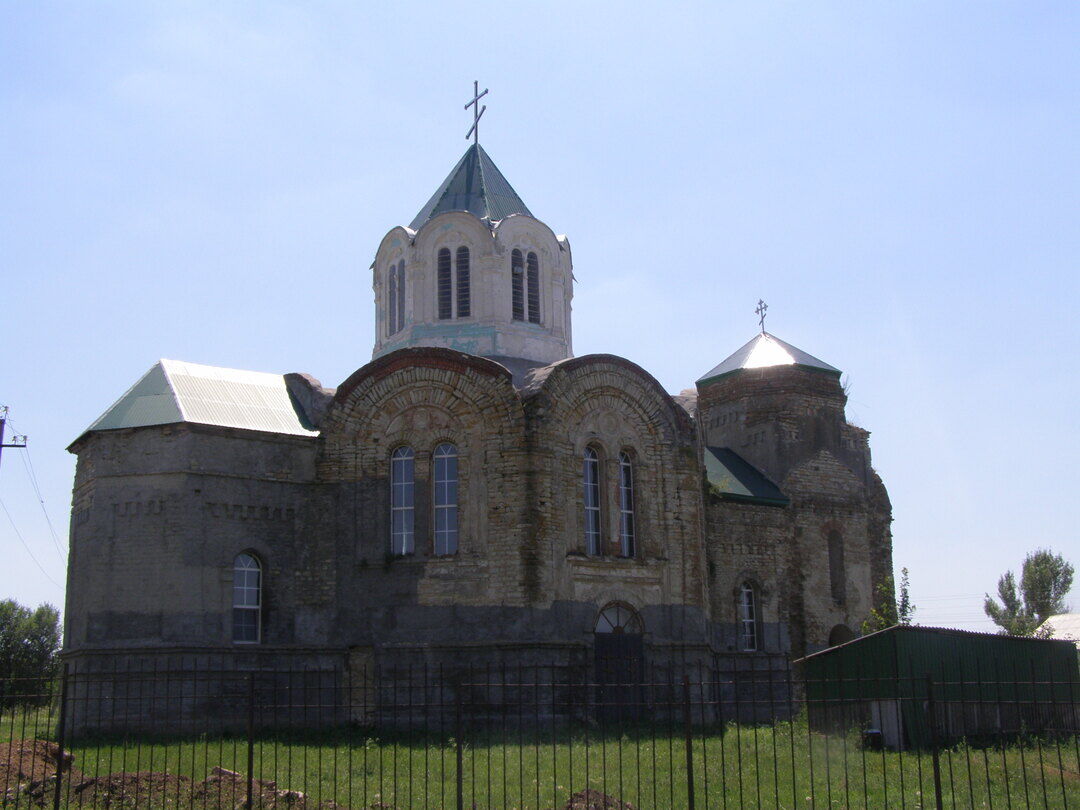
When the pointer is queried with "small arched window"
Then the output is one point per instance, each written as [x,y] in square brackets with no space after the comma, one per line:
[445,475]
[591,481]
[400,296]
[619,619]
[534,288]
[517,285]
[402,512]
[391,303]
[444,283]
[626,505]
[463,300]
[748,617]
[837,574]
[247,599]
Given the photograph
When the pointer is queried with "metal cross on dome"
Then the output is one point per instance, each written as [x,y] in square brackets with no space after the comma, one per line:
[762,308]
[474,130]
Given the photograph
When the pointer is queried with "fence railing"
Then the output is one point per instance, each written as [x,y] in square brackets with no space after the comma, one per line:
[536,737]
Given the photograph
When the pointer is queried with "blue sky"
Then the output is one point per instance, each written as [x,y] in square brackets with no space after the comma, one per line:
[209,182]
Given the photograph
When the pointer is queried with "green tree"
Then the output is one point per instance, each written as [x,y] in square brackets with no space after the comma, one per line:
[29,650]
[893,607]
[1045,578]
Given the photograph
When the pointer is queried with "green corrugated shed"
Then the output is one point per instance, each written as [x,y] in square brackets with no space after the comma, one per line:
[966,669]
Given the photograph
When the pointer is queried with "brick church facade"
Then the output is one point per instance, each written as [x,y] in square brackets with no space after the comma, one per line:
[474,492]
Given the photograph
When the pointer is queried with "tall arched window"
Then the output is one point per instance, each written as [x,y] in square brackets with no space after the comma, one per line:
[392,299]
[445,474]
[534,288]
[748,617]
[247,599]
[837,574]
[591,479]
[463,300]
[444,283]
[517,286]
[400,296]
[401,501]
[626,505]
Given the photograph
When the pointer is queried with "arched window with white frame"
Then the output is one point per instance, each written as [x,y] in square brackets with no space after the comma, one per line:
[591,484]
[748,617]
[627,528]
[402,507]
[445,501]
[247,599]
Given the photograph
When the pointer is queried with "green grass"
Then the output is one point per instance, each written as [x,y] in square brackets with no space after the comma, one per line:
[741,767]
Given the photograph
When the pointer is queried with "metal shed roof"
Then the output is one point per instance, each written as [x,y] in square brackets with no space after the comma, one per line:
[738,480]
[475,185]
[766,350]
[175,391]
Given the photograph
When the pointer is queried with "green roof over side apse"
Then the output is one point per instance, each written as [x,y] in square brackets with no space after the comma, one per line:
[475,185]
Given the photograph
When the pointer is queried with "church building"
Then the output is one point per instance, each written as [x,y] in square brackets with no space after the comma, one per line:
[474,492]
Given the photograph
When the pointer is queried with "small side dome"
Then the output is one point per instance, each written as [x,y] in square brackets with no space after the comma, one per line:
[765,351]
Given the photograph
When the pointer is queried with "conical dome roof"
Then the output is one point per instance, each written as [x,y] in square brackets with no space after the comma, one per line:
[766,350]
[475,185]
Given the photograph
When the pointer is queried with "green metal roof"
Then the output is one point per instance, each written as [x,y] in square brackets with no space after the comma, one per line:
[737,480]
[475,185]
[766,350]
[173,391]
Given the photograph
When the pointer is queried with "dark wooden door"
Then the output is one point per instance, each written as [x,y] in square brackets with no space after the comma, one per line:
[620,676]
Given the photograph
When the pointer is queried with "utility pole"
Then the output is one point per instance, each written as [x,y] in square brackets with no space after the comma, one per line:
[16,440]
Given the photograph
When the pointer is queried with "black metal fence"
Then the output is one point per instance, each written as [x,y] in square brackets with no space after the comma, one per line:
[746,734]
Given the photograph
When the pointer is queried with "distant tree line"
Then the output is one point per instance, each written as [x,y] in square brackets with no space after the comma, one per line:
[29,652]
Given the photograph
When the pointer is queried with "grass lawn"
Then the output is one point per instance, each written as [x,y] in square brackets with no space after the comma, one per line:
[765,766]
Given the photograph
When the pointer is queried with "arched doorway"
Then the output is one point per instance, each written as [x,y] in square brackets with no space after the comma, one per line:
[619,648]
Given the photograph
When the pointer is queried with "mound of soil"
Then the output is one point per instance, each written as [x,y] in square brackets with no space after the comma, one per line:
[139,789]
[595,800]
[29,761]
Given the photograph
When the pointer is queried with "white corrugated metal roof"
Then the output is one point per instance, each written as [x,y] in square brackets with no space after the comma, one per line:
[175,391]
[1066,626]
[766,350]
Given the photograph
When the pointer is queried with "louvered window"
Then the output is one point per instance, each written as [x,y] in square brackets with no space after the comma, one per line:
[400,296]
[463,301]
[534,288]
[445,282]
[445,475]
[391,303]
[517,288]
[402,512]
[626,505]
[591,481]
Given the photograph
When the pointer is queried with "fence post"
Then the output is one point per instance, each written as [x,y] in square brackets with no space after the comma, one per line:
[458,747]
[932,711]
[60,737]
[250,737]
[689,743]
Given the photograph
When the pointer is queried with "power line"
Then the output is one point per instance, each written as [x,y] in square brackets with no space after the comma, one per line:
[28,465]
[27,547]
